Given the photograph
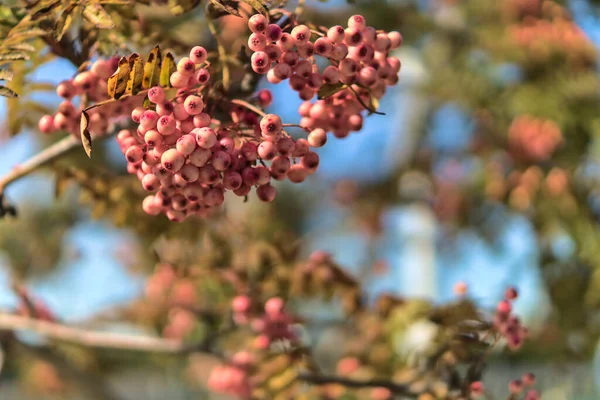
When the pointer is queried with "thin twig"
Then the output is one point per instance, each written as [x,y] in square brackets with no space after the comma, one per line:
[395,388]
[249,106]
[362,103]
[222,54]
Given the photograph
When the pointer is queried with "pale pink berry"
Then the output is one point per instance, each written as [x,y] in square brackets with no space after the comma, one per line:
[357,21]
[241,304]
[193,105]
[367,76]
[301,34]
[305,50]
[242,190]
[339,52]
[355,122]
[504,307]
[258,23]
[348,67]
[369,35]
[301,148]
[179,80]
[331,75]
[198,54]
[165,108]
[286,42]
[134,154]
[290,58]
[265,97]
[263,175]
[310,160]
[257,41]
[280,165]
[46,124]
[323,46]
[186,66]
[395,39]
[297,173]
[153,138]
[286,146]
[149,206]
[270,125]
[149,119]
[273,52]
[150,182]
[205,137]
[260,60]
[214,196]
[166,125]
[186,144]
[221,160]
[190,173]
[84,81]
[274,307]
[267,150]
[201,120]
[136,114]
[202,76]
[172,160]
[317,138]
[271,78]
[353,36]
[200,156]
[232,180]
[193,192]
[175,216]
[336,34]
[156,95]
[382,42]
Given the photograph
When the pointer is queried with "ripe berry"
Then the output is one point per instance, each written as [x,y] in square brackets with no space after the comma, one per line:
[172,160]
[198,54]
[156,95]
[205,137]
[257,23]
[193,105]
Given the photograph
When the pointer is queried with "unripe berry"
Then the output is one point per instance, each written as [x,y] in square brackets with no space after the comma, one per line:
[193,105]
[258,23]
[186,144]
[198,54]
[172,160]
[205,137]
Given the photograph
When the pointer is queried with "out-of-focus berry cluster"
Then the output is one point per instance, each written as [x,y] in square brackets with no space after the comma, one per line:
[358,57]
[85,88]
[508,324]
[534,139]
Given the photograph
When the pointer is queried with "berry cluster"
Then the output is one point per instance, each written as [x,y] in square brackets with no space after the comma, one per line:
[518,9]
[188,160]
[515,387]
[359,63]
[233,378]
[542,39]
[507,324]
[88,86]
[534,139]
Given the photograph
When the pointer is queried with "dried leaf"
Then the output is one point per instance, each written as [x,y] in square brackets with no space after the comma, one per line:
[167,68]
[152,69]
[258,6]
[179,7]
[44,8]
[115,2]
[21,47]
[136,75]
[6,92]
[63,23]
[98,16]
[14,56]
[224,7]
[330,89]
[6,75]
[117,83]
[86,138]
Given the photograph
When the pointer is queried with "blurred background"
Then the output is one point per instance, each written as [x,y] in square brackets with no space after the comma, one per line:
[484,170]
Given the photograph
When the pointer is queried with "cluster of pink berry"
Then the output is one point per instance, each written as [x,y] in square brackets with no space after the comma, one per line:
[358,59]
[164,288]
[543,38]
[188,160]
[275,324]
[534,139]
[234,378]
[515,387]
[508,324]
[88,87]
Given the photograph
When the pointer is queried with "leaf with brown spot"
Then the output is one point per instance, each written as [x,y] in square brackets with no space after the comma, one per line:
[64,22]
[117,83]
[166,69]
[44,8]
[86,138]
[223,7]
[6,92]
[329,90]
[7,57]
[152,69]
[6,75]
[98,16]
[136,75]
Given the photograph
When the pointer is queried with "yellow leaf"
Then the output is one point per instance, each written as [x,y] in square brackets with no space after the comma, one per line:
[329,90]
[136,64]
[5,75]
[117,83]
[152,69]
[98,16]
[167,68]
[63,23]
[86,138]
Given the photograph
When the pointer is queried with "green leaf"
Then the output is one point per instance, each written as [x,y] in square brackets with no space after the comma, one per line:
[329,90]
[86,138]
[98,16]
[63,23]
[6,75]
[167,68]
[134,83]
[152,68]
[117,83]
[225,8]
[6,92]
[258,6]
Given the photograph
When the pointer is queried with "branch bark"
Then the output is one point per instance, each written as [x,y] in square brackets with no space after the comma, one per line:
[398,389]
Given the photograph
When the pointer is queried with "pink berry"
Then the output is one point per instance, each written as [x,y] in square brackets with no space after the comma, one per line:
[395,39]
[232,180]
[352,36]
[179,80]
[150,182]
[504,307]
[164,108]
[193,105]
[46,124]
[200,157]
[274,306]
[190,173]
[214,196]
[270,125]
[186,66]
[286,42]
[241,304]
[66,90]
[323,46]
[273,32]
[265,97]
[310,160]
[149,206]
[186,144]
[357,21]
[257,41]
[156,95]
[301,34]
[221,160]
[198,54]
[203,76]
[205,137]
[260,60]
[511,293]
[317,138]
[166,125]
[336,34]
[172,160]
[286,146]
[257,23]
[153,138]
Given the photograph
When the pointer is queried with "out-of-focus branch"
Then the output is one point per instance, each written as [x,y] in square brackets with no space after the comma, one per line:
[398,389]
[89,338]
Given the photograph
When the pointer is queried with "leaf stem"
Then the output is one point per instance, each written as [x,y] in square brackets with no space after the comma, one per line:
[362,103]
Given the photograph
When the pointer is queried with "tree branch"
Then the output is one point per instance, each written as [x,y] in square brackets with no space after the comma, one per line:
[88,338]
[395,388]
